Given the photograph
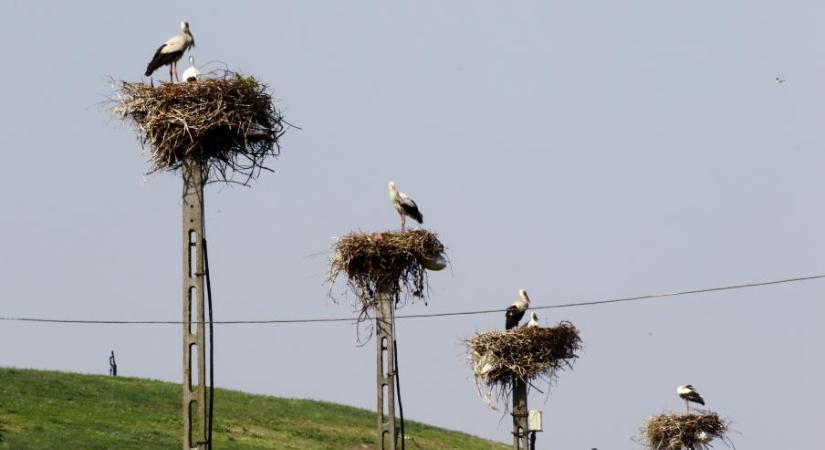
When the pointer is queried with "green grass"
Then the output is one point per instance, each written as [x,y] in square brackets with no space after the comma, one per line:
[47,410]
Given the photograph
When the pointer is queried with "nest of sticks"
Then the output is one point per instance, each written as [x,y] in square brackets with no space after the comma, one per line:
[684,431]
[526,353]
[226,123]
[393,262]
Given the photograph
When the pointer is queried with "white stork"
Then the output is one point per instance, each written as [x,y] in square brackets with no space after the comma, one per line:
[688,394]
[191,73]
[534,321]
[170,52]
[515,312]
[404,205]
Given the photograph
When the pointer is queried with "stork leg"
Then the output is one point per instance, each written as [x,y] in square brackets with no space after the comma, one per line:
[687,405]
[171,80]
[403,221]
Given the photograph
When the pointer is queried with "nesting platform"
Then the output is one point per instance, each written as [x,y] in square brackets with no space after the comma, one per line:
[228,123]
[526,353]
[684,431]
[394,262]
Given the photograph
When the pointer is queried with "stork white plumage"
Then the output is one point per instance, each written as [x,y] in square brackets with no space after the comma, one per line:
[191,73]
[688,393]
[516,311]
[484,365]
[404,205]
[534,320]
[170,52]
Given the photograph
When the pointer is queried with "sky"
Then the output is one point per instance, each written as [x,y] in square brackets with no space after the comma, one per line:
[579,150]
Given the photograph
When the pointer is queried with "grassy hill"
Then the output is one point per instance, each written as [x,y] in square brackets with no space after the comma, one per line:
[46,410]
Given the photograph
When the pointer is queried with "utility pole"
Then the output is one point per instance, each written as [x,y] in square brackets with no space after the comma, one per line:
[194,394]
[385,336]
[521,439]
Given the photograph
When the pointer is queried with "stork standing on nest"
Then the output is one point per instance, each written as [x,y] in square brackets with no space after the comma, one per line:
[191,73]
[688,394]
[404,205]
[516,311]
[170,52]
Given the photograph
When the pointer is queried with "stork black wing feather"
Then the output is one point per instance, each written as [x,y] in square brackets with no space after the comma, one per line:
[411,209]
[161,59]
[513,317]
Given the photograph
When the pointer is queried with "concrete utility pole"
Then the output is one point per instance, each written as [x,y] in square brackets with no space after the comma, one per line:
[194,395]
[521,439]
[385,336]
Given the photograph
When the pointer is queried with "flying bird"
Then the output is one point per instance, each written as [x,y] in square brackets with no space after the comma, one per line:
[191,73]
[534,320]
[404,205]
[515,312]
[170,52]
[688,394]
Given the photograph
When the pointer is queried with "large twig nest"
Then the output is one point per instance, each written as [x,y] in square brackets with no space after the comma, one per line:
[526,353]
[684,431]
[393,262]
[228,124]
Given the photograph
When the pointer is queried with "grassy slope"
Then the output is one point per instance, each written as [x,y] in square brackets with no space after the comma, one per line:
[40,410]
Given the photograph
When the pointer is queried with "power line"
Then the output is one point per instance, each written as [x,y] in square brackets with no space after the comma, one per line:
[420,316]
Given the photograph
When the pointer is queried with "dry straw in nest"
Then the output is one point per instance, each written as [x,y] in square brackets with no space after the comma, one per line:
[392,261]
[526,352]
[227,124]
[684,431]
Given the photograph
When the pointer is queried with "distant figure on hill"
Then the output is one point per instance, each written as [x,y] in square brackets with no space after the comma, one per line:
[112,365]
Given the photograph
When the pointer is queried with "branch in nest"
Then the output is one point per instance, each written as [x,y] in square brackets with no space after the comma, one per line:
[227,124]
[527,353]
[392,262]
[684,431]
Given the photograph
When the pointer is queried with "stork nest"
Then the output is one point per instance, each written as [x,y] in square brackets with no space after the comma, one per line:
[684,431]
[392,262]
[526,353]
[227,124]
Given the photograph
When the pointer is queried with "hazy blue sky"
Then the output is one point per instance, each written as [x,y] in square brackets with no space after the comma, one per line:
[579,150]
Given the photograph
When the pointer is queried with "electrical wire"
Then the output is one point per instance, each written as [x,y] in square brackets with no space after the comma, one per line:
[420,316]
[396,376]
[211,346]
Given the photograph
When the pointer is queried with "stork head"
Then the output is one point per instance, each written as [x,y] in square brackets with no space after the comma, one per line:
[184,26]
[392,187]
[523,294]
[534,316]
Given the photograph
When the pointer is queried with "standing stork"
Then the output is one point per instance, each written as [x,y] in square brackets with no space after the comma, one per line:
[191,73]
[404,205]
[515,312]
[688,394]
[170,52]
